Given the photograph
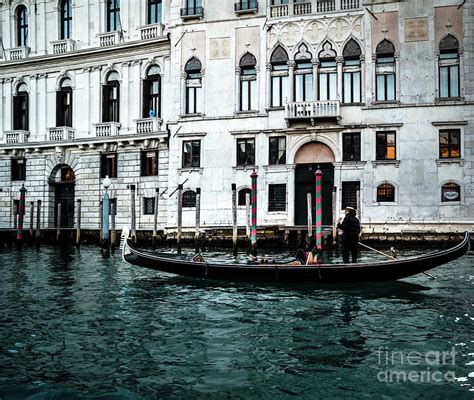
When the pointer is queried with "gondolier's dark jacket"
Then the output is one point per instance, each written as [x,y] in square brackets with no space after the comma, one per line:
[350,228]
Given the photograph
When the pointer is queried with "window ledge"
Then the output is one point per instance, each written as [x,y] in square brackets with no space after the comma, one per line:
[450,203]
[282,108]
[247,112]
[245,168]
[385,203]
[353,104]
[388,102]
[282,213]
[194,115]
[459,161]
[353,164]
[190,170]
[449,100]
[396,163]
[275,167]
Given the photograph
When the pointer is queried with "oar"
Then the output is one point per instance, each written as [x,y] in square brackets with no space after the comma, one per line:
[389,256]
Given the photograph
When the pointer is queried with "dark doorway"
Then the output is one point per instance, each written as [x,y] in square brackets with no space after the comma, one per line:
[305,181]
[64,195]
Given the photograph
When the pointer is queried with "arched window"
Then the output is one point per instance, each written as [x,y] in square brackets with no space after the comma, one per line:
[450,192]
[327,73]
[385,193]
[64,103]
[66,19]
[248,82]
[21,26]
[279,75]
[154,11]
[152,93]
[111,98]
[193,70]
[352,81]
[189,199]
[385,71]
[241,200]
[303,74]
[20,108]
[113,15]
[449,67]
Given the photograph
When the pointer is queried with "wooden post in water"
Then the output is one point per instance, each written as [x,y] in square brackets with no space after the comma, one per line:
[310,221]
[100,222]
[38,223]
[58,223]
[247,220]
[180,217]
[155,216]
[15,214]
[113,230]
[334,215]
[105,223]
[21,214]
[197,238]
[286,238]
[234,218]
[253,234]
[78,223]
[32,217]
[133,217]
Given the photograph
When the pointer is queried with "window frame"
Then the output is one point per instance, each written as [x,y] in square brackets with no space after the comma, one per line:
[276,154]
[65,20]
[358,157]
[273,205]
[64,113]
[243,190]
[386,185]
[151,98]
[113,22]
[449,144]
[188,201]
[110,107]
[108,169]
[21,111]
[191,163]
[248,155]
[158,6]
[145,205]
[22,28]
[145,168]
[18,173]
[347,186]
[378,145]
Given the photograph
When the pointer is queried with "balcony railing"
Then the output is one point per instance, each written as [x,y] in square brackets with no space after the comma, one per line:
[63,46]
[246,6]
[108,38]
[192,12]
[19,53]
[313,7]
[350,4]
[105,129]
[279,11]
[17,136]
[148,125]
[302,8]
[313,109]
[326,5]
[61,133]
[151,31]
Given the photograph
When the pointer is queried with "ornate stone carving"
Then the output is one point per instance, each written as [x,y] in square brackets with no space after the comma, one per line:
[279,55]
[291,35]
[352,49]
[248,60]
[327,51]
[449,42]
[385,47]
[303,53]
[193,65]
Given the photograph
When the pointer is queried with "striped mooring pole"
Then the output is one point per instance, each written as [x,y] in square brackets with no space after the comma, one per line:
[253,233]
[21,213]
[319,208]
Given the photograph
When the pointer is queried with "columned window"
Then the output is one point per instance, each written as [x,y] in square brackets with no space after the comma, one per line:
[193,70]
[64,103]
[327,73]
[279,77]
[154,11]
[352,72]
[20,108]
[66,19]
[113,15]
[385,71]
[303,75]
[385,193]
[152,93]
[111,98]
[449,67]
[248,82]
[21,26]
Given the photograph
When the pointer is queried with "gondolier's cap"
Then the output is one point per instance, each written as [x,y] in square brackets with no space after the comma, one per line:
[351,210]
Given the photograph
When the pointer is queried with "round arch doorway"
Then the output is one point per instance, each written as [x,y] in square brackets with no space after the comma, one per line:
[62,182]
[308,159]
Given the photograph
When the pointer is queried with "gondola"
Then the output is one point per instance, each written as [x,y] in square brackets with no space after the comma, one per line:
[381,271]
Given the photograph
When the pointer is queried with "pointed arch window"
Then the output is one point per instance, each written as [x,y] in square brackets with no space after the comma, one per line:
[113,15]
[385,193]
[248,82]
[385,71]
[152,93]
[449,67]
[327,73]
[111,98]
[21,26]
[21,108]
[303,75]
[193,70]
[66,19]
[64,103]
[351,72]
[279,77]
[154,11]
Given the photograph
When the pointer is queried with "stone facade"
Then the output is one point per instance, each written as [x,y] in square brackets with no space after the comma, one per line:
[218,39]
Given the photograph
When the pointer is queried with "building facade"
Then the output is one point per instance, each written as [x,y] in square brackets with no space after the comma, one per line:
[378,95]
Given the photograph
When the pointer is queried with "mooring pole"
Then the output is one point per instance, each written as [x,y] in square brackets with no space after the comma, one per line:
[133,222]
[21,213]
[334,215]
[58,223]
[247,220]
[78,223]
[198,220]
[253,237]
[101,217]
[234,218]
[309,237]
[32,217]
[113,230]
[319,210]
[155,217]
[38,223]
[15,214]
[105,218]
[180,217]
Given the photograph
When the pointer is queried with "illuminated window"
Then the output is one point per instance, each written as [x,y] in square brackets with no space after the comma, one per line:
[386,146]
[450,143]
[385,193]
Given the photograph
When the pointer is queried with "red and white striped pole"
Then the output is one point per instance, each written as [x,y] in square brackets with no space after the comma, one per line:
[21,213]
[319,209]
[253,201]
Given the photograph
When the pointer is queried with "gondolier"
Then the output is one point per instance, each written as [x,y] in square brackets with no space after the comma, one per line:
[350,227]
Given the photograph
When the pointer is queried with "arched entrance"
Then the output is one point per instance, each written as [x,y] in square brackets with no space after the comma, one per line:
[308,159]
[62,181]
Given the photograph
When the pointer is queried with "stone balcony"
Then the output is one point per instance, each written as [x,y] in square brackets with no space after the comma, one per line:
[313,7]
[312,110]
[148,125]
[151,31]
[105,129]
[62,46]
[19,53]
[192,12]
[60,133]
[108,38]
[16,137]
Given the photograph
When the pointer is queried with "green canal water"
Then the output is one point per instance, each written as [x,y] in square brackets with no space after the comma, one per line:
[76,326]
